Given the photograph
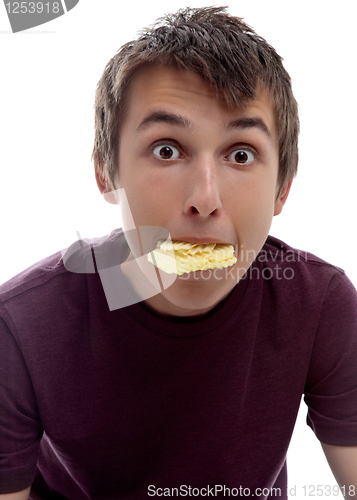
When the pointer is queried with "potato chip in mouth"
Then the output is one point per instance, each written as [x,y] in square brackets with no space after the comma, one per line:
[180,257]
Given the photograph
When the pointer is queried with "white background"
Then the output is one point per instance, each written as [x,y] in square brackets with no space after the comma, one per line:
[48,191]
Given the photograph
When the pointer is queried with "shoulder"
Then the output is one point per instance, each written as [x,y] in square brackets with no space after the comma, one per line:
[35,276]
[58,277]
[279,250]
[299,282]
[300,267]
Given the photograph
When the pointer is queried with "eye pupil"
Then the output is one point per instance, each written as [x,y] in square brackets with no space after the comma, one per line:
[166,152]
[241,157]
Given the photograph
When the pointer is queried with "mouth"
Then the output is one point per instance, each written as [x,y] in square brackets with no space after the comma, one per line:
[181,257]
[206,240]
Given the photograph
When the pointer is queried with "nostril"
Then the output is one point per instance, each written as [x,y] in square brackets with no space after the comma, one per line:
[195,211]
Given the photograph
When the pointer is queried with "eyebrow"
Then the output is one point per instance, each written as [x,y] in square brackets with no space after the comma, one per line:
[181,121]
[164,117]
[250,122]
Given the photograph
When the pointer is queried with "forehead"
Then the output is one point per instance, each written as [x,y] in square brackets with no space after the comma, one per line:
[155,88]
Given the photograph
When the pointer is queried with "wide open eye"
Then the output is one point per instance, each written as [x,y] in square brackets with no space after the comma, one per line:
[166,152]
[241,156]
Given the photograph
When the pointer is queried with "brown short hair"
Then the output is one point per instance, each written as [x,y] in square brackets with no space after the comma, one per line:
[224,51]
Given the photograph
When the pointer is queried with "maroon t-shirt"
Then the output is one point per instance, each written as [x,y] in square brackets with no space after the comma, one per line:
[115,404]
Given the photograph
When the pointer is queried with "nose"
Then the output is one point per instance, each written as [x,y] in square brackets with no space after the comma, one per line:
[203,195]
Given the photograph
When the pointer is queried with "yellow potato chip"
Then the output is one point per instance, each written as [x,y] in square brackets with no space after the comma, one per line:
[181,257]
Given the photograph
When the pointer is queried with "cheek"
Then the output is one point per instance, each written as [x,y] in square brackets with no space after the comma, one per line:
[149,204]
[155,194]
[253,214]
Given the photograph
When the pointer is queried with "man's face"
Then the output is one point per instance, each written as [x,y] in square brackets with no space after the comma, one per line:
[205,172]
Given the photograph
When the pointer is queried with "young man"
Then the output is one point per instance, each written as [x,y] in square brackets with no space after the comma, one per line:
[114,385]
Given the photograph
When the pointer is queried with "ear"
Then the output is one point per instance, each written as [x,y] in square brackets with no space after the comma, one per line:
[103,183]
[282,197]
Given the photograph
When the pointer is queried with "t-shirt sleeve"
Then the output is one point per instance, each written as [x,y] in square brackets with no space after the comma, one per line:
[331,386]
[20,427]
